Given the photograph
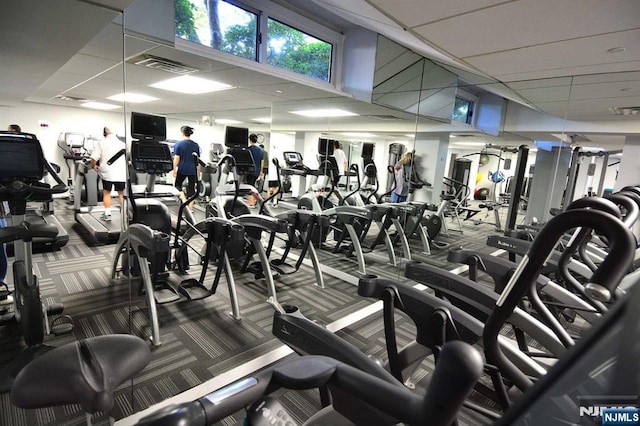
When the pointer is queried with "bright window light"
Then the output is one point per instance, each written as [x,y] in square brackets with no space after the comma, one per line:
[99,105]
[133,98]
[592,148]
[226,121]
[190,85]
[324,113]
[262,119]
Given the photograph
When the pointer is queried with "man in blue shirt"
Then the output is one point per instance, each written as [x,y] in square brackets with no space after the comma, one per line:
[258,155]
[184,165]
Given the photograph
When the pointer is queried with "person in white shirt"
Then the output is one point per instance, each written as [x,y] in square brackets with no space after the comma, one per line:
[341,158]
[112,175]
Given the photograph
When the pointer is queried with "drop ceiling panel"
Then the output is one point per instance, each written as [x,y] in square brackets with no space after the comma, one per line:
[418,12]
[603,69]
[614,90]
[90,66]
[565,55]
[632,77]
[546,94]
[528,23]
[535,84]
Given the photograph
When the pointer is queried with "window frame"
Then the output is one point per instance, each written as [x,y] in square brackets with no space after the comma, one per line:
[266,44]
[471,113]
[265,10]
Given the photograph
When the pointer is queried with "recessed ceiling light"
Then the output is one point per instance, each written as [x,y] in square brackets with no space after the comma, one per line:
[359,135]
[262,119]
[469,143]
[324,113]
[191,85]
[133,98]
[616,50]
[99,105]
[226,121]
[278,91]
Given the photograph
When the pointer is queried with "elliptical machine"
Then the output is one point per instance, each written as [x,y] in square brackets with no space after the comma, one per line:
[22,166]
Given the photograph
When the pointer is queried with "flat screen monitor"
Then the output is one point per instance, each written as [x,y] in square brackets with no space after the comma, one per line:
[325,146]
[154,158]
[148,128]
[74,140]
[236,136]
[367,150]
[21,157]
[293,157]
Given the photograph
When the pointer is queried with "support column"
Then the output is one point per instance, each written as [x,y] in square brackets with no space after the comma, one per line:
[548,184]
[629,173]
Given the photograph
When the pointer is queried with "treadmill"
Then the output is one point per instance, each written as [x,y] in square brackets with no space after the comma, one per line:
[88,212]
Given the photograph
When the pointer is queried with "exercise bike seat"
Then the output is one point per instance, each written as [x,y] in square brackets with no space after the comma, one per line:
[85,372]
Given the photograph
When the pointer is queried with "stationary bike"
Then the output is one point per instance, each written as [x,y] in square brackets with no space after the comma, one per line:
[22,166]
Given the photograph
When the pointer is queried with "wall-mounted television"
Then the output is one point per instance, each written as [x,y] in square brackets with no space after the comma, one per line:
[325,146]
[367,150]
[148,128]
[236,136]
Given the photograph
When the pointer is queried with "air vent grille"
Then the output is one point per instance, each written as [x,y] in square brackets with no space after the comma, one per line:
[163,64]
[625,110]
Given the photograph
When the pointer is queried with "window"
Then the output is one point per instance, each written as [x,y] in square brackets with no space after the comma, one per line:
[296,51]
[263,36]
[462,110]
[227,27]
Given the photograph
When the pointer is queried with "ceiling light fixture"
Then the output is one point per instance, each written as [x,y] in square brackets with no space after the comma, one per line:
[99,105]
[359,135]
[262,119]
[469,143]
[190,85]
[226,121]
[134,98]
[324,113]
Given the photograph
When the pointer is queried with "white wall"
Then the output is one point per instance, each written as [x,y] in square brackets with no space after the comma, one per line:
[47,122]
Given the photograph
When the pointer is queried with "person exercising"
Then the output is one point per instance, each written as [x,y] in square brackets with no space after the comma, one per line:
[184,165]
[258,155]
[402,172]
[112,175]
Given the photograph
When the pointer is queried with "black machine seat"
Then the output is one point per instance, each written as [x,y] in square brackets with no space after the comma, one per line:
[85,372]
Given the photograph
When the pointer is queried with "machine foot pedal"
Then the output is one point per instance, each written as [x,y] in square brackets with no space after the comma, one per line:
[164,293]
[282,268]
[440,245]
[62,325]
[193,289]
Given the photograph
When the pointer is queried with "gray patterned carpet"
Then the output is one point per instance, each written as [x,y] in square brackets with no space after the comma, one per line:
[200,339]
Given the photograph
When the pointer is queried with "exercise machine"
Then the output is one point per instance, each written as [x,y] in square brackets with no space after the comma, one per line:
[22,166]
[88,192]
